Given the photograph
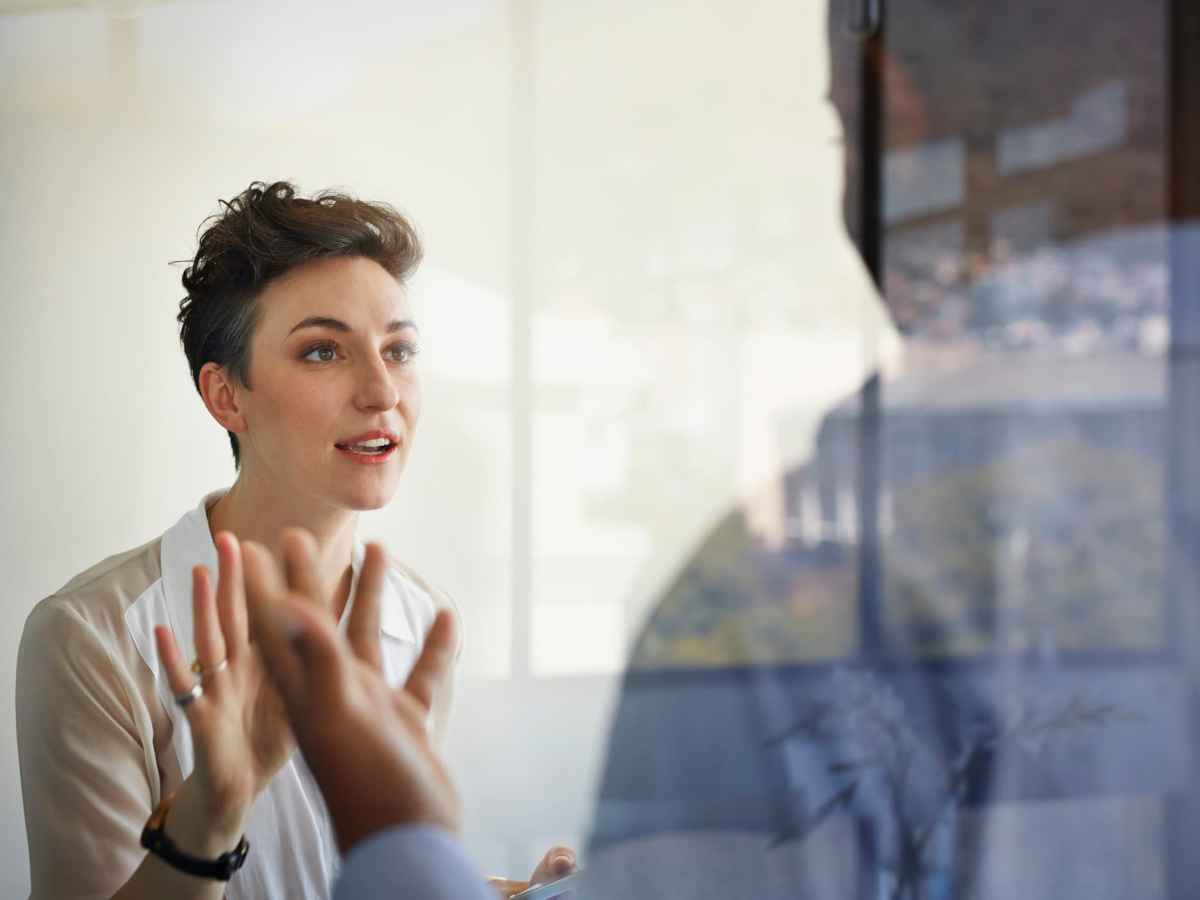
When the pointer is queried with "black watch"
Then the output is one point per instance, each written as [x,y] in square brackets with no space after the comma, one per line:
[156,841]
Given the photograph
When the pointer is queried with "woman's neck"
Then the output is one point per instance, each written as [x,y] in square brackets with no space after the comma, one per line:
[253,513]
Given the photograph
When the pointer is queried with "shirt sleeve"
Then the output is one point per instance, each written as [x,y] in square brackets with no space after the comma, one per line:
[417,861]
[83,765]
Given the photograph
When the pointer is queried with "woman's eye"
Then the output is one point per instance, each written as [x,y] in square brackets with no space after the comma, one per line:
[402,354]
[321,354]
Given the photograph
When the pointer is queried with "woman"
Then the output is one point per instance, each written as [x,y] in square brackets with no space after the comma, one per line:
[301,344]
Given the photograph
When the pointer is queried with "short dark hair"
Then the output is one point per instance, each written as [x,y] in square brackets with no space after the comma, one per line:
[260,234]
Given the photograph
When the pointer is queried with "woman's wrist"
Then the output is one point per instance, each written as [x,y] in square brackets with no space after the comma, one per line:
[202,825]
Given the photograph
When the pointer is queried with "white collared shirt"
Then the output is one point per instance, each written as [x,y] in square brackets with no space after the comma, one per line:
[101,739]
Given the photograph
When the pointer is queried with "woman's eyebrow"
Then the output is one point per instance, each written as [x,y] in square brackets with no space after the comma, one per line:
[338,325]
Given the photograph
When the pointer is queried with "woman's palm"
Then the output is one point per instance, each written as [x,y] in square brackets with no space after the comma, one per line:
[245,739]
[239,732]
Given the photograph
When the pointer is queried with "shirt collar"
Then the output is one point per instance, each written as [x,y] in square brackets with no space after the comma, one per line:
[189,543]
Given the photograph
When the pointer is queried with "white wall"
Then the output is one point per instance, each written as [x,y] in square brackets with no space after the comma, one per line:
[671,220]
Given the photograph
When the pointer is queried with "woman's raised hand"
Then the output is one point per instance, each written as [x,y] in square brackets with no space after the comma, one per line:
[366,742]
[240,735]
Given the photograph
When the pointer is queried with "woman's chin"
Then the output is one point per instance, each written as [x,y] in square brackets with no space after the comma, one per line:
[365,491]
[365,501]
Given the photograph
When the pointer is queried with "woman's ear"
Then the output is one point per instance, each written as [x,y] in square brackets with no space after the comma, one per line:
[221,393]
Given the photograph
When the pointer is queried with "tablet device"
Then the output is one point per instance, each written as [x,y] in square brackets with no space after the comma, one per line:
[549,889]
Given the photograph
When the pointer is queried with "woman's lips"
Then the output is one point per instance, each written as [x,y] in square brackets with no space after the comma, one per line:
[367,459]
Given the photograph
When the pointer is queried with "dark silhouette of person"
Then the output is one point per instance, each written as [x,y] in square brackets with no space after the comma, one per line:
[949,677]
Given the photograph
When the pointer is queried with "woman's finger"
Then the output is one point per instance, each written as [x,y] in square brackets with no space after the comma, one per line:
[231,595]
[432,668]
[557,863]
[506,887]
[179,676]
[210,643]
[362,626]
[300,565]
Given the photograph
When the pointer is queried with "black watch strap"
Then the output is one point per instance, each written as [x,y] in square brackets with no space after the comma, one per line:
[222,868]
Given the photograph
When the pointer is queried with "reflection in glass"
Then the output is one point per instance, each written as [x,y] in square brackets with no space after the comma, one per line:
[1003,712]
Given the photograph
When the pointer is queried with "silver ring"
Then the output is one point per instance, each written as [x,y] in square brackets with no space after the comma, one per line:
[191,695]
[206,673]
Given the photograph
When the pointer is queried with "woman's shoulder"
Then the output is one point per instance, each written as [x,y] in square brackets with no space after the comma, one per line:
[100,594]
[75,645]
[139,567]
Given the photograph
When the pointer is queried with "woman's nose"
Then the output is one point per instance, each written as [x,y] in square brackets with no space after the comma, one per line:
[375,389]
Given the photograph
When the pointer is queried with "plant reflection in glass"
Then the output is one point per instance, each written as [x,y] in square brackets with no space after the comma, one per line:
[909,787]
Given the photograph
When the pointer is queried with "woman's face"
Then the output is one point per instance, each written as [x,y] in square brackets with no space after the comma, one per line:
[334,397]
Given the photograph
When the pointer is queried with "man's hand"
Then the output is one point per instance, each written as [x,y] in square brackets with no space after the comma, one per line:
[366,743]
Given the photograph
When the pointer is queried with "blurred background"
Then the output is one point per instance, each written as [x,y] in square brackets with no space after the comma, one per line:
[642,306]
